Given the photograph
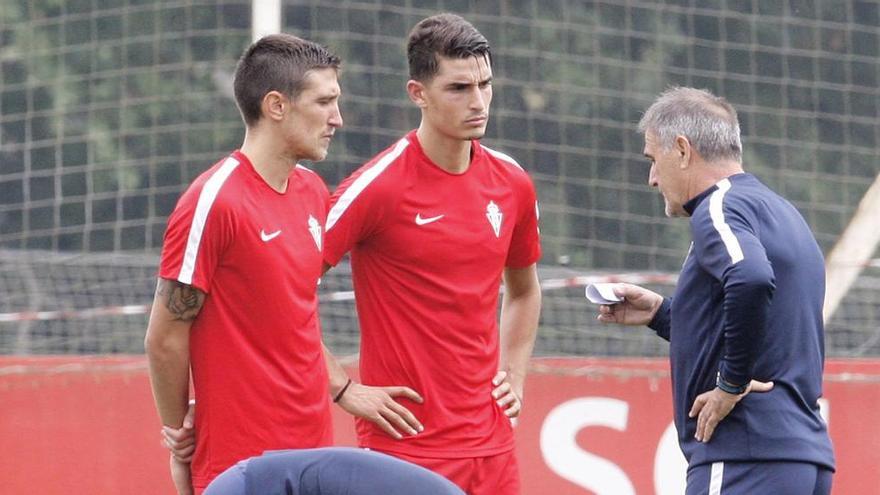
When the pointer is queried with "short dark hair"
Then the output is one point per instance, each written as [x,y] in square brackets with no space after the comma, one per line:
[446,35]
[278,62]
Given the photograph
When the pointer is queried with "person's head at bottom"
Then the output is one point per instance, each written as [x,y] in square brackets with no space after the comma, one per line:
[329,471]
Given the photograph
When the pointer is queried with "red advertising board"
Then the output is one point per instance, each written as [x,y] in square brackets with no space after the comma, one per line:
[604,427]
[591,426]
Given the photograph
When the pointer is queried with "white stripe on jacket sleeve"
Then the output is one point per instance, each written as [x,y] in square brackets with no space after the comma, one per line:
[717,212]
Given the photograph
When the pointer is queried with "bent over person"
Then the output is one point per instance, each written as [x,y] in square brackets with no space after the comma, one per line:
[236,300]
[745,323]
[433,224]
[329,471]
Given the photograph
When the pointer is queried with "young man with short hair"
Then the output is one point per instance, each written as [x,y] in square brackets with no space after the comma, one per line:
[236,299]
[433,224]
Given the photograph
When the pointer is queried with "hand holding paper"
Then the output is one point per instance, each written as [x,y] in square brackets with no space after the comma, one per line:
[602,293]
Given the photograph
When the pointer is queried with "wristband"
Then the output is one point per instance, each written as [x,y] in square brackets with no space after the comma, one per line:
[341,392]
[728,387]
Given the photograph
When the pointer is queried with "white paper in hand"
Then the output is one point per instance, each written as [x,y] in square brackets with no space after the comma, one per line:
[602,294]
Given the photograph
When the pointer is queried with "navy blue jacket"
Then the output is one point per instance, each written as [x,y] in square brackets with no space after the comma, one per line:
[749,304]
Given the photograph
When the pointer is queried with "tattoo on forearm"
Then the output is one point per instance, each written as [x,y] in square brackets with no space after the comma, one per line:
[182,300]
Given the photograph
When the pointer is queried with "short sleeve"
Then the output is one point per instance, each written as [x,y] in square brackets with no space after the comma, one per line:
[197,235]
[525,245]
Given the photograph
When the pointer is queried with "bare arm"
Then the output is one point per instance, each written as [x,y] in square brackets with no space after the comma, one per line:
[175,306]
[520,310]
[338,376]
[376,404]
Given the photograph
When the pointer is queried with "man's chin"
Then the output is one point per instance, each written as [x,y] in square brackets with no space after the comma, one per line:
[317,156]
[475,134]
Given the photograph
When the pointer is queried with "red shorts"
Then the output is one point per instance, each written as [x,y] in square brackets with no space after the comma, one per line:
[493,475]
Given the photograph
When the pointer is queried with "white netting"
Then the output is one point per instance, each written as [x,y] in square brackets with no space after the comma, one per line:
[97,304]
[109,108]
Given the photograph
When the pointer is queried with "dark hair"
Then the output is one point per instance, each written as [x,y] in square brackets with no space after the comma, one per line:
[446,35]
[278,62]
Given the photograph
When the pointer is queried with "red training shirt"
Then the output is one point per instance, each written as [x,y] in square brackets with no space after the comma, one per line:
[428,249]
[257,362]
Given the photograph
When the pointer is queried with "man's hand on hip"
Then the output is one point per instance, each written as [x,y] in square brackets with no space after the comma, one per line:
[713,406]
[507,395]
[378,404]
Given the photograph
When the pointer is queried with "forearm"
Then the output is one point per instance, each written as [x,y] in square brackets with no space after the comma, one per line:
[175,307]
[519,326]
[169,374]
[748,292]
[337,375]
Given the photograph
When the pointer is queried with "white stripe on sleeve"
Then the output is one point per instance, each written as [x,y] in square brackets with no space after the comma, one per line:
[717,213]
[362,182]
[203,207]
[715,478]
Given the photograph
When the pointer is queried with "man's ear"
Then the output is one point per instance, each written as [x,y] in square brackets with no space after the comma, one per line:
[683,148]
[274,105]
[416,92]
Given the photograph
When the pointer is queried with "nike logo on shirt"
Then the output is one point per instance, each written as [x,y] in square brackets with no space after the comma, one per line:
[268,237]
[425,221]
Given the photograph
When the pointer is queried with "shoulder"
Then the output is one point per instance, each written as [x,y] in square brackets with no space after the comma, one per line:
[310,178]
[744,198]
[375,183]
[506,165]
[381,171]
[306,172]
[390,159]
[211,189]
[510,169]
[732,205]
[503,160]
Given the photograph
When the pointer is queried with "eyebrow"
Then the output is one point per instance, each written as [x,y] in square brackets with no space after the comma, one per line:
[335,93]
[468,83]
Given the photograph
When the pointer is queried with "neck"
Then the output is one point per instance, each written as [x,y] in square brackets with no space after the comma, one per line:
[450,154]
[268,158]
[712,173]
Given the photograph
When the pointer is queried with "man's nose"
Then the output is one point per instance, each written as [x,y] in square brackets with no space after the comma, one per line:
[652,176]
[478,99]
[336,118]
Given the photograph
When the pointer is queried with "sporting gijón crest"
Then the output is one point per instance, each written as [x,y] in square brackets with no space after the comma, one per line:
[493,213]
[315,230]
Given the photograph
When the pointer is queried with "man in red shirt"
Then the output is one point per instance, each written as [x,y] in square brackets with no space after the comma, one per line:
[236,299]
[433,224]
